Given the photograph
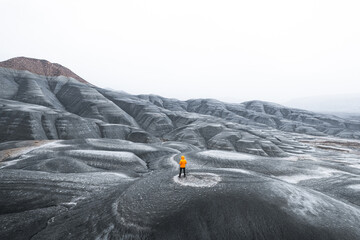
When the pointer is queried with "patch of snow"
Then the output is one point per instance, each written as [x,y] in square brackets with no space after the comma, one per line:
[48,147]
[236,170]
[291,158]
[107,155]
[198,180]
[73,201]
[355,187]
[315,174]
[225,155]
[9,163]
[115,174]
[69,204]
[101,153]
[174,162]
[120,144]
[105,233]
[355,166]
[26,150]
[308,157]
[54,144]
[297,178]
[304,203]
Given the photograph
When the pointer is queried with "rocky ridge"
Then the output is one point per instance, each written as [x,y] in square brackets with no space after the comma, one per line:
[59,107]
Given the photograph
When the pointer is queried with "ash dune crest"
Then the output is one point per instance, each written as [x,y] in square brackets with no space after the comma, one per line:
[81,162]
[40,67]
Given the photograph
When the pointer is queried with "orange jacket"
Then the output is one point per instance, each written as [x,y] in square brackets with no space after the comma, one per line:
[182,162]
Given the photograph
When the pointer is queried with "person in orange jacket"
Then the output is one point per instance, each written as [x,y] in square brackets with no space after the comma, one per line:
[182,165]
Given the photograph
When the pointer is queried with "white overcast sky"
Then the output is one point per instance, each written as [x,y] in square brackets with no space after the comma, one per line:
[228,50]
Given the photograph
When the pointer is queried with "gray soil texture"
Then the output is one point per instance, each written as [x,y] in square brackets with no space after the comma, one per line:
[81,162]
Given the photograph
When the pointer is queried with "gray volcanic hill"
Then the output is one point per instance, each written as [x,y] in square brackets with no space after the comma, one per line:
[58,107]
[82,162]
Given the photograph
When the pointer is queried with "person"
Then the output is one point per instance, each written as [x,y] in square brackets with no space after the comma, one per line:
[182,165]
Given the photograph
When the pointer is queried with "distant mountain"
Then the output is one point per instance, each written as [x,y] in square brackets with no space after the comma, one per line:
[344,105]
[40,67]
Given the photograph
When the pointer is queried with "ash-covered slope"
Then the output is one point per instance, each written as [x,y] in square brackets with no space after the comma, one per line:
[116,189]
[81,162]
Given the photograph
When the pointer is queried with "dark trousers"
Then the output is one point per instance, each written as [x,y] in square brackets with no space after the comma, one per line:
[182,169]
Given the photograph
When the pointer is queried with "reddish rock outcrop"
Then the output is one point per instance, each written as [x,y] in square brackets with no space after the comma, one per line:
[41,67]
